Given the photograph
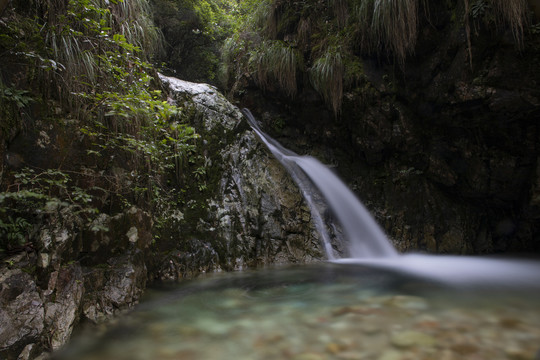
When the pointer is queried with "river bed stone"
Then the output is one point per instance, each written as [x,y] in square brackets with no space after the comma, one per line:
[323,321]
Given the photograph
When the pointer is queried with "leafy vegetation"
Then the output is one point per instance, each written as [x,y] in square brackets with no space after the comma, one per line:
[500,13]
[325,36]
[32,198]
[84,65]
[193,33]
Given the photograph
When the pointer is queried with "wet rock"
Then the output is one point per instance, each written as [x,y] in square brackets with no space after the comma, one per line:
[514,352]
[22,314]
[352,355]
[114,288]
[371,329]
[391,355]
[440,172]
[410,338]
[358,310]
[409,302]
[130,230]
[214,109]
[62,313]
[464,348]
[28,352]
[310,356]
[255,213]
[43,296]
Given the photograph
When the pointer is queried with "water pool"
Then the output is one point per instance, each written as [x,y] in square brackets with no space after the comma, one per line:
[322,311]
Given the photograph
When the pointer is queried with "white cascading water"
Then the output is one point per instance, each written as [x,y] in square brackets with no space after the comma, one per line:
[364,236]
[367,243]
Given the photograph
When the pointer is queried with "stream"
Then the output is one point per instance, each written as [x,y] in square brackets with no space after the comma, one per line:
[366,302]
[322,311]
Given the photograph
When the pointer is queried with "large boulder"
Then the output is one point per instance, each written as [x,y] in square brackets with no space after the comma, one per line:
[253,212]
[69,276]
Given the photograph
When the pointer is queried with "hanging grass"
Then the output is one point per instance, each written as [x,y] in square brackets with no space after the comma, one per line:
[395,24]
[304,32]
[326,76]
[385,26]
[512,13]
[142,33]
[515,13]
[80,34]
[276,61]
[362,17]
[273,14]
[341,12]
[259,15]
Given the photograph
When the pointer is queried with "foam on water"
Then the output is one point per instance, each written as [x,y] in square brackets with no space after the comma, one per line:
[461,270]
[373,305]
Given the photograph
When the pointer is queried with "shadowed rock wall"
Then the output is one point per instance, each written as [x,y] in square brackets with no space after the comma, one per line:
[443,149]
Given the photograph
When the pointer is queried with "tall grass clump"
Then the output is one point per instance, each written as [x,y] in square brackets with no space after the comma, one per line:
[361,19]
[228,57]
[141,32]
[326,75]
[501,13]
[385,26]
[257,17]
[514,13]
[395,24]
[341,12]
[275,60]
[82,34]
[304,31]
[272,14]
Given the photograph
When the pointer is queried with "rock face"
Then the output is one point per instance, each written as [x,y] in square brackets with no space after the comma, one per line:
[22,313]
[254,214]
[445,154]
[47,291]
[456,152]
[249,214]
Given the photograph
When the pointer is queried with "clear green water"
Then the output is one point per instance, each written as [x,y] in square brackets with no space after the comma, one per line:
[323,311]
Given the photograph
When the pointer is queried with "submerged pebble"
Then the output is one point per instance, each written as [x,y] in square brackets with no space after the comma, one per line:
[330,323]
[391,355]
[408,302]
[410,338]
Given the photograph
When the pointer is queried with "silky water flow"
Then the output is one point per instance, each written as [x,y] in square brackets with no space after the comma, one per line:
[367,302]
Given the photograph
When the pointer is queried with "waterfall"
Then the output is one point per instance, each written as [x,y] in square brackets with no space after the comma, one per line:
[364,237]
[368,245]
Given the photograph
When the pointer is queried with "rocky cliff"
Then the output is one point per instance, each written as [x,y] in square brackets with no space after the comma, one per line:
[246,213]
